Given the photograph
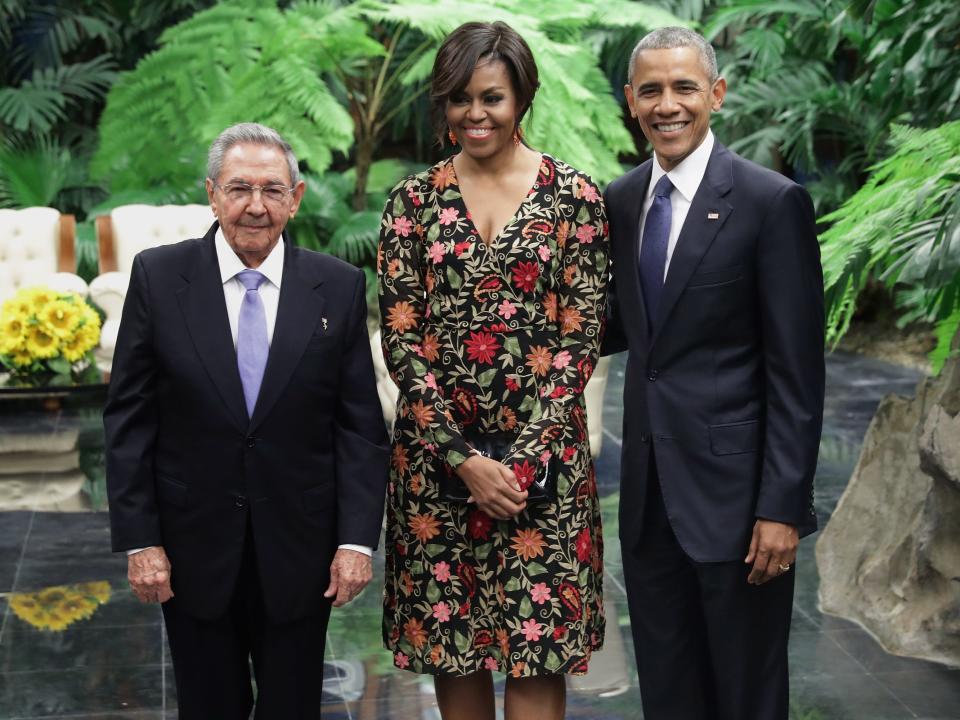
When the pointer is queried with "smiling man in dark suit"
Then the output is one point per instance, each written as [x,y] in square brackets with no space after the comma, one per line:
[719,299]
[246,450]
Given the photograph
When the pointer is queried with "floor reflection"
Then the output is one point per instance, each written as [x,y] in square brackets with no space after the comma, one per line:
[72,648]
[57,608]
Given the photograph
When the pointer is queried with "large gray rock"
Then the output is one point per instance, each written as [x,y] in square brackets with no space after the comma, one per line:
[889,558]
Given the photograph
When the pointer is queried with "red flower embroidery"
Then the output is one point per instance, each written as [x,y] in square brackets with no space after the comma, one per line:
[525,473]
[583,545]
[482,347]
[525,275]
[479,524]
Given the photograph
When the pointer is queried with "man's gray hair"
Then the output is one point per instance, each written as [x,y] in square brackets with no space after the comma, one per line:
[249,133]
[677,37]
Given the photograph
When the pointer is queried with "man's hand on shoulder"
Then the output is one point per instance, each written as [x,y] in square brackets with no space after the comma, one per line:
[773,550]
[149,574]
[350,571]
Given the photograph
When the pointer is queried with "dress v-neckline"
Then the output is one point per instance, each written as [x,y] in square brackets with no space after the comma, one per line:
[513,218]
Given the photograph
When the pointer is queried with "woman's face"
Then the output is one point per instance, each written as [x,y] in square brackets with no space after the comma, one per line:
[484,114]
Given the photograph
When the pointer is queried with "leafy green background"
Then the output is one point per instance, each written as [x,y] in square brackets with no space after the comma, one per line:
[108,102]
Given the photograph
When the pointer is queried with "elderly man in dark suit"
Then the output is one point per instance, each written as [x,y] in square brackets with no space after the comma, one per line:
[719,299]
[246,451]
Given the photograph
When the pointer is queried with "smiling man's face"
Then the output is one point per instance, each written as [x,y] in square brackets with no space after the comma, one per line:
[252,222]
[672,98]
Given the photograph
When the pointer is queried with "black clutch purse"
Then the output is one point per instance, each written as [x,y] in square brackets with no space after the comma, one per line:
[543,489]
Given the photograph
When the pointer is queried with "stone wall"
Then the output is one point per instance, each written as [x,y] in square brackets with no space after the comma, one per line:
[889,558]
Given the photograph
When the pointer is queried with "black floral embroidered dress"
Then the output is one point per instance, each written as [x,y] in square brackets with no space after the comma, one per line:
[494,337]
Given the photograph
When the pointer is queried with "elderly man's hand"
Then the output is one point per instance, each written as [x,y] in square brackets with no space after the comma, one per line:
[149,574]
[350,571]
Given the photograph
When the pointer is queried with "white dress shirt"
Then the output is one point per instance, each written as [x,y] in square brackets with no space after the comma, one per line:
[233,289]
[233,292]
[686,178]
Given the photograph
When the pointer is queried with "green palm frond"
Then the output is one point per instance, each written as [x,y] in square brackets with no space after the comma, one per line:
[39,102]
[32,175]
[903,227]
[45,173]
[238,61]
[53,30]
[946,333]
[356,237]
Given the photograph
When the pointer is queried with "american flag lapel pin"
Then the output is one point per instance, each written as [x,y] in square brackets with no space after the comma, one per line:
[713,216]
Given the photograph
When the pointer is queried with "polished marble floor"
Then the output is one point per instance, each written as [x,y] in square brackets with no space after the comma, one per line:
[75,644]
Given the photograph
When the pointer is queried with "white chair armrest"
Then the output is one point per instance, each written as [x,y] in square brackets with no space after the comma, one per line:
[68,282]
[108,291]
[386,388]
[593,395]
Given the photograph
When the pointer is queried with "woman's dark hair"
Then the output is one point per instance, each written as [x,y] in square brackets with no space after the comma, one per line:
[463,49]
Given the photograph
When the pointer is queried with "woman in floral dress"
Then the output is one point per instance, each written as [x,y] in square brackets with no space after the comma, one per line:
[492,280]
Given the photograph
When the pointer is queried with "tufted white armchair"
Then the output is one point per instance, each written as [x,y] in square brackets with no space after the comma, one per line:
[593,394]
[37,248]
[123,233]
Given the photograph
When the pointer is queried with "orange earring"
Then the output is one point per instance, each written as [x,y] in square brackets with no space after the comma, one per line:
[518,135]
[453,137]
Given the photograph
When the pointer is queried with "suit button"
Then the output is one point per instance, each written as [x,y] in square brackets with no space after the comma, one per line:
[240,501]
[652,375]
[251,442]
[644,438]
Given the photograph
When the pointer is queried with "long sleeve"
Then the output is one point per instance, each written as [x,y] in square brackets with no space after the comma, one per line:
[361,438]
[403,309]
[791,310]
[581,281]
[130,422]
[614,337]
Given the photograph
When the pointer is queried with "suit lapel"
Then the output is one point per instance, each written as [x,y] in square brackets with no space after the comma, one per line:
[708,212]
[298,314]
[205,313]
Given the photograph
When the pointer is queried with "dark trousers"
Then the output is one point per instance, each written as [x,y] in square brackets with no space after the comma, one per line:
[708,645]
[211,658]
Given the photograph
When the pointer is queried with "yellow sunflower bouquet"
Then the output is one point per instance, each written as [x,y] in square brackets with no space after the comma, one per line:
[46,331]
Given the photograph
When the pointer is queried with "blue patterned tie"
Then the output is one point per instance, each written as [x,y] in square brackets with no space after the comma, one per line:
[252,345]
[653,247]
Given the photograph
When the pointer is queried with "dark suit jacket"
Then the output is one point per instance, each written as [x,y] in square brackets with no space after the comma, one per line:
[185,465]
[728,385]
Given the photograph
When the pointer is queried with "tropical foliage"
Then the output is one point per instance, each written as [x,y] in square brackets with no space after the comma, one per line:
[903,227]
[58,62]
[341,80]
[815,85]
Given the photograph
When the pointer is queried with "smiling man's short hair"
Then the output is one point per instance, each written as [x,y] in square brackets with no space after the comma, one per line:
[677,37]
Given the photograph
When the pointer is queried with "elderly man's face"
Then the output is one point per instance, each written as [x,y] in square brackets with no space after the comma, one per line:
[253,219]
[672,98]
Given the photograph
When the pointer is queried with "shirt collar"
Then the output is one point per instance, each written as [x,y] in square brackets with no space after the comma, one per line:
[230,264]
[687,175]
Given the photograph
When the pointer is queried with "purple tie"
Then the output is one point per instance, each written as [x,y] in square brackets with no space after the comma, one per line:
[653,248]
[252,345]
